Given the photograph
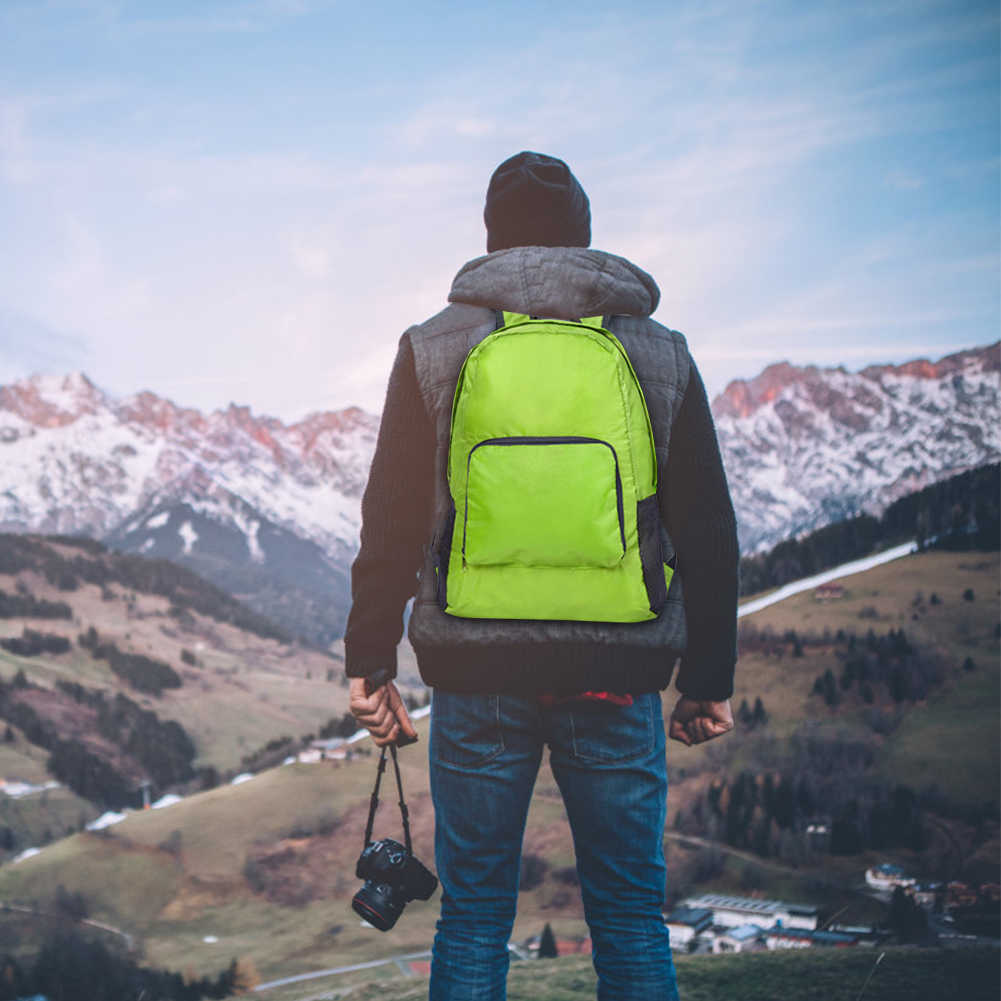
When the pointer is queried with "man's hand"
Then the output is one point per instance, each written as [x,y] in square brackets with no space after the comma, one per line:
[693,722]
[382,713]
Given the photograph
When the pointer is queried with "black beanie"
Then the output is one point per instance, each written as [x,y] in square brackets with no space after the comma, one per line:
[534,200]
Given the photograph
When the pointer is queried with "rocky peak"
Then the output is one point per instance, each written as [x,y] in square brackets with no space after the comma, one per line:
[51,401]
[743,396]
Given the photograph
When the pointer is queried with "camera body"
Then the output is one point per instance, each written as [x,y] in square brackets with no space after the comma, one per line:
[393,877]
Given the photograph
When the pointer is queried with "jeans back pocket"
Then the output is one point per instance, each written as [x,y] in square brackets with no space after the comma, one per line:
[465,729]
[605,732]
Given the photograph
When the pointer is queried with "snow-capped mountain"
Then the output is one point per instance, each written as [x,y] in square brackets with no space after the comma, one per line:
[805,447]
[271,512]
[266,510]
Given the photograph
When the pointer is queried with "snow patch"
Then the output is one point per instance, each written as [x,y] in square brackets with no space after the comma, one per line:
[18,790]
[106,820]
[845,570]
[249,527]
[158,520]
[27,853]
[168,800]
[189,535]
[240,779]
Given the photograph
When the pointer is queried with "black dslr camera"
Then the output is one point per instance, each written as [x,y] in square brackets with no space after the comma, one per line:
[393,877]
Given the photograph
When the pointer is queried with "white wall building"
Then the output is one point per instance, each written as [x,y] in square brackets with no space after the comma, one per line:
[746,938]
[732,912]
[887,876]
[684,923]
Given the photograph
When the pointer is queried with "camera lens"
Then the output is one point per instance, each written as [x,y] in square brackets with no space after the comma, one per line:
[379,904]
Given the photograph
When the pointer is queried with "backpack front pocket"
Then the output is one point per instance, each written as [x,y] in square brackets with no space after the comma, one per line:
[543,502]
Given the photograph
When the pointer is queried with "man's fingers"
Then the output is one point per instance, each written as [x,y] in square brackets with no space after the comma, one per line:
[364,705]
[382,723]
[676,731]
[375,718]
[706,728]
[382,712]
[400,711]
[389,738]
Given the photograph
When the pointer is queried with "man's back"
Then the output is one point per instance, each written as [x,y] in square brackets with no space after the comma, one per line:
[504,689]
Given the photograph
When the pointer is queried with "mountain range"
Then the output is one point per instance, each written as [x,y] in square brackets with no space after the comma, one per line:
[805,447]
[270,511]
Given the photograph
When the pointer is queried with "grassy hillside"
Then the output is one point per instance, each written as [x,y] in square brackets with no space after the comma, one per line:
[267,867]
[40,816]
[810,975]
[239,688]
[950,739]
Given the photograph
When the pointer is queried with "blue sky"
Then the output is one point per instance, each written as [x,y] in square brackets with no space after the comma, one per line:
[250,201]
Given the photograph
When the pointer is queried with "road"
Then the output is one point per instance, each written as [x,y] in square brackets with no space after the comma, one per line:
[808,583]
[399,961]
[90,923]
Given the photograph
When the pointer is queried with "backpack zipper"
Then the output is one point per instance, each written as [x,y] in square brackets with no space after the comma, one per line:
[547,440]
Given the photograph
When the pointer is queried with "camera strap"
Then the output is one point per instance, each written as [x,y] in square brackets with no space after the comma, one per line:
[374,801]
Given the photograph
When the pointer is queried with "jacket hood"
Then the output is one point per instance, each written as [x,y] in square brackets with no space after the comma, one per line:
[560,282]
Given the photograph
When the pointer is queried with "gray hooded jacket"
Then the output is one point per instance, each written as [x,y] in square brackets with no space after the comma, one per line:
[481,655]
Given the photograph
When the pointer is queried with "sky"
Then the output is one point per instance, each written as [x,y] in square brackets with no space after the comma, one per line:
[249,202]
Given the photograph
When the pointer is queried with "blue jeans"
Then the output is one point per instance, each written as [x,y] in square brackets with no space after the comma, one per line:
[609,764]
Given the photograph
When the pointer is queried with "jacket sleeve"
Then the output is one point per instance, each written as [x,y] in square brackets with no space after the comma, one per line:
[395,512]
[699,517]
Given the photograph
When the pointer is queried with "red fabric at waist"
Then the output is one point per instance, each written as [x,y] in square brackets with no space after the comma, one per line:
[548,701]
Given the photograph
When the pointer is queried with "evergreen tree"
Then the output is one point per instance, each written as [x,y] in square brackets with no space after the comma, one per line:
[744,713]
[830,688]
[785,803]
[907,920]
[547,944]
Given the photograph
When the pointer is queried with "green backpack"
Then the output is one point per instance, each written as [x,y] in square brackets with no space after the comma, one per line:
[553,478]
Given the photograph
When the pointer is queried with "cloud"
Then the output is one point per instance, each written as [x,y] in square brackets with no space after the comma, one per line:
[28,345]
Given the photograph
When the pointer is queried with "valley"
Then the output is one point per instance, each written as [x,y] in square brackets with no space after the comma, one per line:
[263,870]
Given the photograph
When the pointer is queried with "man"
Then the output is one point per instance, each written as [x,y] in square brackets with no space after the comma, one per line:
[504,688]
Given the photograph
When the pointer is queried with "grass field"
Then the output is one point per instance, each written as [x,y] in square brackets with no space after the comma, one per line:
[950,740]
[809,975]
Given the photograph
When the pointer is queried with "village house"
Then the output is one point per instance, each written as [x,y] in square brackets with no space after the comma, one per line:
[926,894]
[829,591]
[685,923]
[732,912]
[805,938]
[960,895]
[887,877]
[818,835]
[863,934]
[332,749]
[991,892]
[744,938]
